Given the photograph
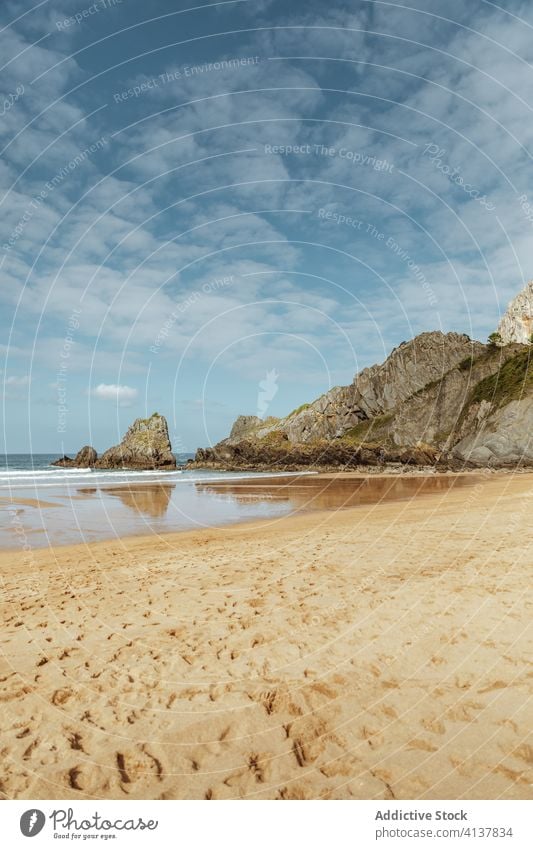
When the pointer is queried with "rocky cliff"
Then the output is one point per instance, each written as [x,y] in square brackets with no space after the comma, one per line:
[438,399]
[517,323]
[435,414]
[379,389]
[497,422]
[374,392]
[146,445]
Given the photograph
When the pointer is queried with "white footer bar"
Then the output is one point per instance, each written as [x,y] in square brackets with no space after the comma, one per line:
[269,825]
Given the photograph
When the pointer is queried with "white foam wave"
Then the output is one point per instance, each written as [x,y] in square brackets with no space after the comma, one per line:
[73,477]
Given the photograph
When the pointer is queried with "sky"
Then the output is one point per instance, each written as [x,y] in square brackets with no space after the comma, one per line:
[220,209]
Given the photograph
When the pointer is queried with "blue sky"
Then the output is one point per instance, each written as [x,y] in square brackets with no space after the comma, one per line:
[198,203]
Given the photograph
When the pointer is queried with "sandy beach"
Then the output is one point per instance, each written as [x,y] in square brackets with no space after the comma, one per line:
[376,652]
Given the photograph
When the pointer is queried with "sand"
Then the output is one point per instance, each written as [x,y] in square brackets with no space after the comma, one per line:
[377,652]
[12,502]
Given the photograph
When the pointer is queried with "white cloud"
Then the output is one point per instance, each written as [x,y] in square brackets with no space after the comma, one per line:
[15,387]
[17,382]
[121,394]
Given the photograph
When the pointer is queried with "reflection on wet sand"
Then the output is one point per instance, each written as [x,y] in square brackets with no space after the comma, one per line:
[151,500]
[89,513]
[322,493]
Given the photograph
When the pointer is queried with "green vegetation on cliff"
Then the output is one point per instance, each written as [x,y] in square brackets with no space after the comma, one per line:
[513,380]
[368,427]
[275,437]
[299,409]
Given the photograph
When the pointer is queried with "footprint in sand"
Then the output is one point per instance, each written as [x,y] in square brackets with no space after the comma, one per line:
[60,697]
[136,765]
[434,725]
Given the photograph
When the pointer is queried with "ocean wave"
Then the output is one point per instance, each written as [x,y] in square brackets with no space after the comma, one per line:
[44,478]
[58,475]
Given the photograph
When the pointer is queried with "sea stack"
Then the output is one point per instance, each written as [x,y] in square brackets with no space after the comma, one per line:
[146,445]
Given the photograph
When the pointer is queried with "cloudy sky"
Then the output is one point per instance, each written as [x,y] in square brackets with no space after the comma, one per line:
[231,208]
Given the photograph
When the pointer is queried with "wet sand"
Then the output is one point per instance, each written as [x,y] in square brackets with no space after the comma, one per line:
[379,651]
[25,502]
[85,513]
[327,491]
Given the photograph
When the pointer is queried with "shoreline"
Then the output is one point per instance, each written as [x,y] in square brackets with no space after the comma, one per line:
[225,483]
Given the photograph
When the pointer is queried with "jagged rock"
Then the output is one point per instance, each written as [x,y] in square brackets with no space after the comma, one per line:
[379,389]
[64,462]
[328,417]
[497,420]
[281,455]
[516,325]
[471,404]
[505,437]
[374,392]
[145,446]
[433,415]
[409,368]
[243,425]
[85,459]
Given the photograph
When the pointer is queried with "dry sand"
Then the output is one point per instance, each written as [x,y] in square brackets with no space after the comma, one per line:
[377,652]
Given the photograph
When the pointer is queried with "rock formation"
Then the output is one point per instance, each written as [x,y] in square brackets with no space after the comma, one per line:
[516,325]
[378,389]
[438,399]
[503,437]
[434,415]
[85,459]
[146,445]
[375,391]
[280,455]
[243,425]
[497,423]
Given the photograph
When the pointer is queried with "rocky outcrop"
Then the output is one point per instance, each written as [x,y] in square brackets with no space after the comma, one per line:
[516,325]
[146,445]
[85,459]
[280,455]
[504,437]
[409,368]
[379,389]
[374,392]
[497,421]
[434,415]
[439,399]
[244,425]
